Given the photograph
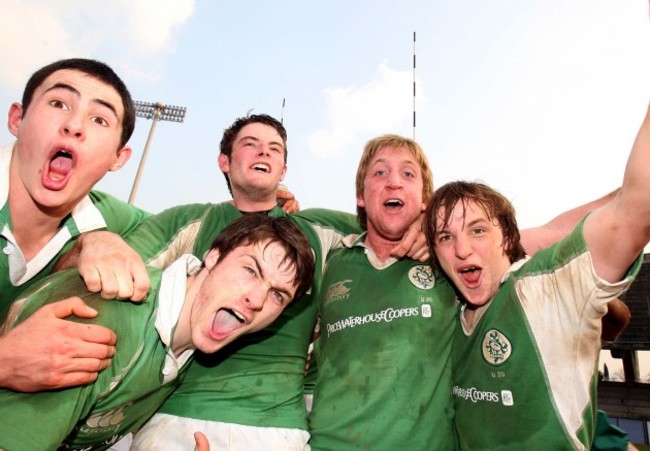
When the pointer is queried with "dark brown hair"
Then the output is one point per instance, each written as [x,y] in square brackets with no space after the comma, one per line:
[493,203]
[255,228]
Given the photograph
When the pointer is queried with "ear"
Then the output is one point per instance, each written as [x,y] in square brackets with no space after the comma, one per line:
[14,118]
[284,172]
[360,201]
[123,156]
[424,206]
[224,164]
[212,258]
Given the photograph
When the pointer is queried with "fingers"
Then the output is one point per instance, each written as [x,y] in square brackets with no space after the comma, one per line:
[62,353]
[141,283]
[201,441]
[108,265]
[291,206]
[71,306]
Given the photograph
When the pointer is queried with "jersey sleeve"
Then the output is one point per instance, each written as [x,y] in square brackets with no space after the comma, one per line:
[331,226]
[120,217]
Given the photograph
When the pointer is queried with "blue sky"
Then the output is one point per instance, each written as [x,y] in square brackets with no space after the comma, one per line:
[540,98]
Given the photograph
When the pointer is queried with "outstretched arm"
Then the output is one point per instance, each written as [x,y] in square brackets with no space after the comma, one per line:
[536,238]
[617,232]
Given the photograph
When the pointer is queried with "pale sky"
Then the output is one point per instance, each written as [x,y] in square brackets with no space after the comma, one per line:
[539,98]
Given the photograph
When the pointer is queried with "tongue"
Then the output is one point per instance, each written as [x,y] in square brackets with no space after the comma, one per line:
[61,165]
[225,322]
[471,277]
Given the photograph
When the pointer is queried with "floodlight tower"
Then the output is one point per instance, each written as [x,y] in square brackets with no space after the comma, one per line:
[158,112]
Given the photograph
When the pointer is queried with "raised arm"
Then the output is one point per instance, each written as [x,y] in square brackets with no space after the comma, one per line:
[536,238]
[617,232]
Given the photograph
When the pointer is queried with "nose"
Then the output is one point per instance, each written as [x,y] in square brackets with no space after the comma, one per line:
[263,149]
[256,297]
[73,126]
[462,247]
[394,180]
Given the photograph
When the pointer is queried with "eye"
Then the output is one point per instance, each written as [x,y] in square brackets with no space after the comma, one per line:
[276,149]
[380,172]
[409,174]
[478,231]
[59,104]
[250,270]
[277,296]
[100,120]
[444,237]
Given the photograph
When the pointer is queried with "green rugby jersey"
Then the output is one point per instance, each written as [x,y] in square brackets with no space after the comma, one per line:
[257,380]
[384,367]
[141,375]
[525,374]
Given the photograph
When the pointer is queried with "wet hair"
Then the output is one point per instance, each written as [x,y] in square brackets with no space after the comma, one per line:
[95,69]
[494,204]
[396,142]
[256,228]
[231,132]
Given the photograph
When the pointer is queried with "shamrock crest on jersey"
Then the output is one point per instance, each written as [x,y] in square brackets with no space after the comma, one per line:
[496,347]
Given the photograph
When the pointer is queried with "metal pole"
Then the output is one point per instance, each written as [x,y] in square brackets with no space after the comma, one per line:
[136,182]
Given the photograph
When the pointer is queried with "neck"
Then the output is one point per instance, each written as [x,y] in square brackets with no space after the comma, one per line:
[380,246]
[33,227]
[182,339]
[251,205]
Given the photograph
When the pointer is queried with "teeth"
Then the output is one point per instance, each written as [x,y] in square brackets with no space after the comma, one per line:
[262,167]
[237,315]
[470,269]
[393,203]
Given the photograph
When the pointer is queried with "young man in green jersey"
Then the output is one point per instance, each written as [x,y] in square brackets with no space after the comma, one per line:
[525,355]
[253,270]
[71,128]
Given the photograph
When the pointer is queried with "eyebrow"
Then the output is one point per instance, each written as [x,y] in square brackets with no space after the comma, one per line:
[401,162]
[259,268]
[76,92]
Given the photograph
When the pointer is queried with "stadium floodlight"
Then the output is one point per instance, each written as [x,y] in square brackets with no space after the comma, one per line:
[158,112]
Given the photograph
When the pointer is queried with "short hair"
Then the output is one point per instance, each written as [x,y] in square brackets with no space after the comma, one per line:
[95,69]
[231,132]
[397,142]
[255,228]
[494,204]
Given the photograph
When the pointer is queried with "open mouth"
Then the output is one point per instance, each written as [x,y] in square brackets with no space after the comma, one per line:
[227,321]
[393,203]
[470,275]
[262,168]
[60,164]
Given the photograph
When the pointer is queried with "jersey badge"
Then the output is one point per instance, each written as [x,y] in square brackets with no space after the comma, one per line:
[496,347]
[422,276]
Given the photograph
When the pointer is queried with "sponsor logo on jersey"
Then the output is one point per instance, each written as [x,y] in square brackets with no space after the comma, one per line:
[496,347]
[338,291]
[422,276]
[384,316]
[106,421]
[475,395]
